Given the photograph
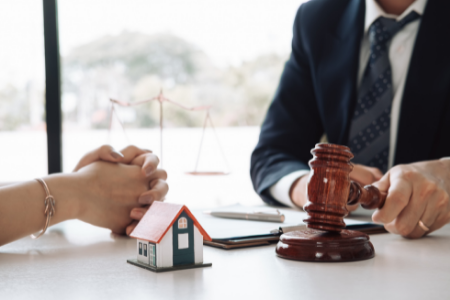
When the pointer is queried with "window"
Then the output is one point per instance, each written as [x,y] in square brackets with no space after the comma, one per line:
[182,223]
[145,250]
[152,255]
[140,248]
[22,91]
[183,241]
[119,52]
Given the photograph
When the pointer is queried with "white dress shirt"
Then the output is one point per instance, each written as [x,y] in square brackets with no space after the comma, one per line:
[400,51]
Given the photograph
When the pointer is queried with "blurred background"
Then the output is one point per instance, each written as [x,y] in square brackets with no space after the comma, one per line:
[227,54]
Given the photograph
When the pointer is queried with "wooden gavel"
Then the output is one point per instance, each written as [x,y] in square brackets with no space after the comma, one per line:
[330,189]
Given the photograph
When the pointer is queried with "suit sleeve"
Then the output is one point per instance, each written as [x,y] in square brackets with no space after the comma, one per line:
[292,125]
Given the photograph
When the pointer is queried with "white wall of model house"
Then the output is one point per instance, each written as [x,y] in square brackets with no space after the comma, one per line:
[141,257]
[198,246]
[164,250]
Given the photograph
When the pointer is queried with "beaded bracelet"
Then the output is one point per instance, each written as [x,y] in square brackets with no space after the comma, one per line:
[49,204]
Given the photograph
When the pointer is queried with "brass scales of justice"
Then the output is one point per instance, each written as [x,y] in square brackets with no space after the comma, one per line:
[161,99]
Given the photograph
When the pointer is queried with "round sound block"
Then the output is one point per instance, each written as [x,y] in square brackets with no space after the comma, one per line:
[322,246]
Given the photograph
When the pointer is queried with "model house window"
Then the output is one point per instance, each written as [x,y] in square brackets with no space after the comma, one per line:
[183,241]
[145,250]
[182,223]
[152,255]
[140,248]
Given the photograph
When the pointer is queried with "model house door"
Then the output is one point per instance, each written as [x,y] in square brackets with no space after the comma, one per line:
[145,250]
[183,240]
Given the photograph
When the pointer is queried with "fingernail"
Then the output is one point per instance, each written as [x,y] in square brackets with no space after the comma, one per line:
[116,154]
[147,199]
[149,170]
[136,214]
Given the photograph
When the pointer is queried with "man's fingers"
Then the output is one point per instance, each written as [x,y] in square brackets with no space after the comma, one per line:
[383,183]
[351,208]
[158,190]
[376,173]
[131,152]
[105,153]
[441,220]
[418,231]
[390,227]
[418,209]
[398,197]
[365,175]
[148,162]
[431,216]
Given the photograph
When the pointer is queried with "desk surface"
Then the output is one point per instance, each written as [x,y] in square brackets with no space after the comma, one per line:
[78,261]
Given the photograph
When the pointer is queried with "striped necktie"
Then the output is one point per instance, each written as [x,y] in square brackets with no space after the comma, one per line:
[370,127]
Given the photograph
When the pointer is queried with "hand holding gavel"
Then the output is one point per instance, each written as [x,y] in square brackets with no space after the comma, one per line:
[416,195]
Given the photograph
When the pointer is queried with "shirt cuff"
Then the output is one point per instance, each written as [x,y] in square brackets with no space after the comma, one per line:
[280,190]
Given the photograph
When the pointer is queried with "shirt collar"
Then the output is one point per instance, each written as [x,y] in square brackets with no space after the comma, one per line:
[374,11]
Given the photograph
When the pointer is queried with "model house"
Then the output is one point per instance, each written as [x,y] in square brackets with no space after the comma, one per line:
[169,236]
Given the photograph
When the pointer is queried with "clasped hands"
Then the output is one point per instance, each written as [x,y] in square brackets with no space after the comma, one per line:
[116,188]
[416,192]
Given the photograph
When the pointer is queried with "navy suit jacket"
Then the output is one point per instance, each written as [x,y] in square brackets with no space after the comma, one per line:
[317,91]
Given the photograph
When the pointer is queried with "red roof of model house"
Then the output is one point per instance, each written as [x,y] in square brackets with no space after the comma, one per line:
[159,218]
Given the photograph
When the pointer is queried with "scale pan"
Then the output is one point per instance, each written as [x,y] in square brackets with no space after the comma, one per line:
[206,173]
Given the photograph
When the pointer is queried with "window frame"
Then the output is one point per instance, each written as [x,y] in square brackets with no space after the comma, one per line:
[53,112]
[183,237]
[182,223]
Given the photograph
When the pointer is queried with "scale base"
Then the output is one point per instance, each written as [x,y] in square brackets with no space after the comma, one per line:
[322,246]
[198,173]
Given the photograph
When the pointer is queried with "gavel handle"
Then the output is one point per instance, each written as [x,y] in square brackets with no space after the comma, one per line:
[369,196]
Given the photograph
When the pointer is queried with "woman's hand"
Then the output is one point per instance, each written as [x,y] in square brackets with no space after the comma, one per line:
[100,193]
[416,192]
[148,163]
[108,192]
[108,153]
[158,188]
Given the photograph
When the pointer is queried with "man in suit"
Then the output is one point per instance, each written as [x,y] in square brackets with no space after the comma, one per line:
[373,75]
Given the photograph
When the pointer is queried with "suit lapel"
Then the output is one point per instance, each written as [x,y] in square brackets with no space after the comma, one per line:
[427,86]
[337,72]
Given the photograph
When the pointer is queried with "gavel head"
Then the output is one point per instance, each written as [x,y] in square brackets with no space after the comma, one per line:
[328,187]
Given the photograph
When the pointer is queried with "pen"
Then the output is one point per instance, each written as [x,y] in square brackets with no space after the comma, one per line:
[285,229]
[255,216]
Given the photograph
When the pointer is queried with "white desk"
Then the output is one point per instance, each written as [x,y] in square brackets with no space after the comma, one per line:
[78,261]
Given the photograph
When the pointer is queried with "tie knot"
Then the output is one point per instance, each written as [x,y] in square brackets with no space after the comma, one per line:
[383,29]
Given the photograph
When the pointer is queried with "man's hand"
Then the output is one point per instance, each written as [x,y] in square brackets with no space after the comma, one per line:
[298,191]
[416,192]
[362,174]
